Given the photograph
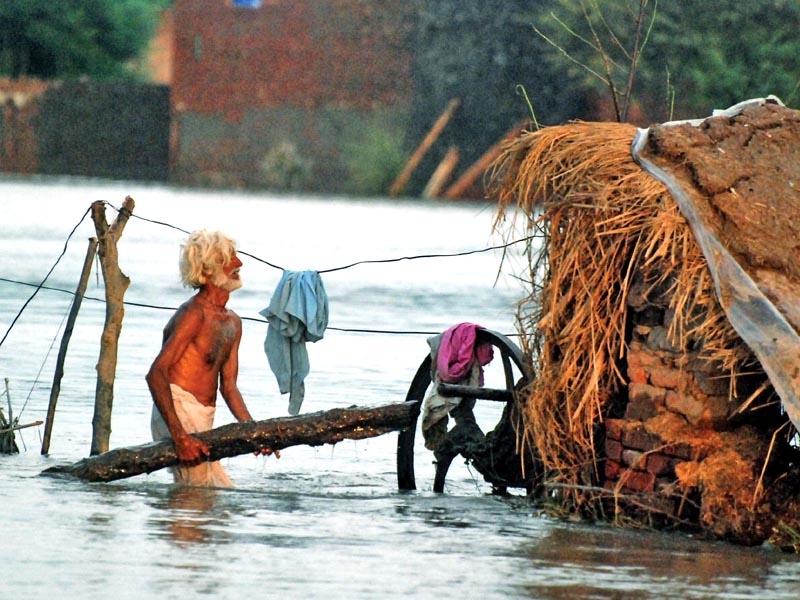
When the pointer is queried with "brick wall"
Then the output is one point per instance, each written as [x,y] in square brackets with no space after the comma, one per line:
[681,410]
[305,76]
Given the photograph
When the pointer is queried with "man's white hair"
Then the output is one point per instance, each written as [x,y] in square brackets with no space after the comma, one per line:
[202,254]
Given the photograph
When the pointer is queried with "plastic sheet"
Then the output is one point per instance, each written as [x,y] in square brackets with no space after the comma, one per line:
[762,326]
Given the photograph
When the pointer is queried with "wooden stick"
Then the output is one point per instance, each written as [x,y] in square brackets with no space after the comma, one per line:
[10,414]
[8,445]
[62,351]
[314,429]
[116,284]
[17,427]
[457,190]
[442,174]
[424,146]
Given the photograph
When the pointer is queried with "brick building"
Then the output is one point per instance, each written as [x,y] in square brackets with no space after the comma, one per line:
[272,93]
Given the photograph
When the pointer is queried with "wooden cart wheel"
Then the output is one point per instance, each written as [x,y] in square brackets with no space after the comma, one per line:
[509,353]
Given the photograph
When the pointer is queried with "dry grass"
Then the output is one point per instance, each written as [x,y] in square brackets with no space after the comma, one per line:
[601,223]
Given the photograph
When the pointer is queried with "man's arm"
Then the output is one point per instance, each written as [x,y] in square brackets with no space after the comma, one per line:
[187,321]
[228,377]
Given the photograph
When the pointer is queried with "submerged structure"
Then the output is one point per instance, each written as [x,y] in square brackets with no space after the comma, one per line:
[662,318]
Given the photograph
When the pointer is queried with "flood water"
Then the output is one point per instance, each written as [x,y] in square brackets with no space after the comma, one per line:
[326,522]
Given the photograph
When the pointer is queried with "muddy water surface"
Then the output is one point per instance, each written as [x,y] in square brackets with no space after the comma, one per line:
[320,522]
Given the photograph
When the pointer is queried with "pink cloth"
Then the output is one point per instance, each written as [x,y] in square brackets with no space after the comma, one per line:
[458,351]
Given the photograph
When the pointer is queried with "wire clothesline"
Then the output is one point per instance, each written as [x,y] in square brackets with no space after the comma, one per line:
[353,264]
[41,285]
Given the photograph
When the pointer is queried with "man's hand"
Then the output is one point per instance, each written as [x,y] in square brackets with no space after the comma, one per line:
[267,452]
[191,450]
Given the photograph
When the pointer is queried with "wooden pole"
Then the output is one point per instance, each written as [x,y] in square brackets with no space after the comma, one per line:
[116,283]
[314,429]
[457,190]
[62,351]
[424,146]
[442,174]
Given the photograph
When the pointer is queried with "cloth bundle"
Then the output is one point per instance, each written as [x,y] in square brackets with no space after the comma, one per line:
[456,358]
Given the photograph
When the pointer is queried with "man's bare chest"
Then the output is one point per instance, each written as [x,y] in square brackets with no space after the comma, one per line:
[216,341]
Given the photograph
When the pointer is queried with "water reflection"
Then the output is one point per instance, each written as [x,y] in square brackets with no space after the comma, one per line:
[188,514]
[575,561]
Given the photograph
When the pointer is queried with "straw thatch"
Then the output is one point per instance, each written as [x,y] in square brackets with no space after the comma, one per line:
[599,224]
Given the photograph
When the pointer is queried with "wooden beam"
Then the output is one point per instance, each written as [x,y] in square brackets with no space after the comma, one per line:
[314,429]
[469,176]
[433,135]
[451,390]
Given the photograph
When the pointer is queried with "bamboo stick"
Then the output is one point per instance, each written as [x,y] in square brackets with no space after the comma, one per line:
[62,351]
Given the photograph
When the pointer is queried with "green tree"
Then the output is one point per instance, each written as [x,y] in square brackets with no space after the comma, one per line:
[73,38]
[696,55]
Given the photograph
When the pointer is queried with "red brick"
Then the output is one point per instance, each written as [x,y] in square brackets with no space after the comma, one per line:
[709,378]
[634,459]
[612,470]
[638,438]
[642,391]
[640,356]
[613,449]
[658,464]
[718,409]
[637,374]
[666,378]
[686,405]
[680,451]
[634,480]
[643,409]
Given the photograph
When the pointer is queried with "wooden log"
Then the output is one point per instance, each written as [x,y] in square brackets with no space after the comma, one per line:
[116,284]
[314,429]
[433,135]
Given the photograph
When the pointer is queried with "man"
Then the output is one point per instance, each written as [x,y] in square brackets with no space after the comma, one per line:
[199,351]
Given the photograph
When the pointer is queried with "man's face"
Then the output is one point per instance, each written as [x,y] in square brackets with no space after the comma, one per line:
[227,277]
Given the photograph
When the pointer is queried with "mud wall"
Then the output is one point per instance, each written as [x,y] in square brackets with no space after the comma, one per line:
[18,151]
[117,131]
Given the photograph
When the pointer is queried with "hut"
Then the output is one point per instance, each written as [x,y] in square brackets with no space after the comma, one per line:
[662,318]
